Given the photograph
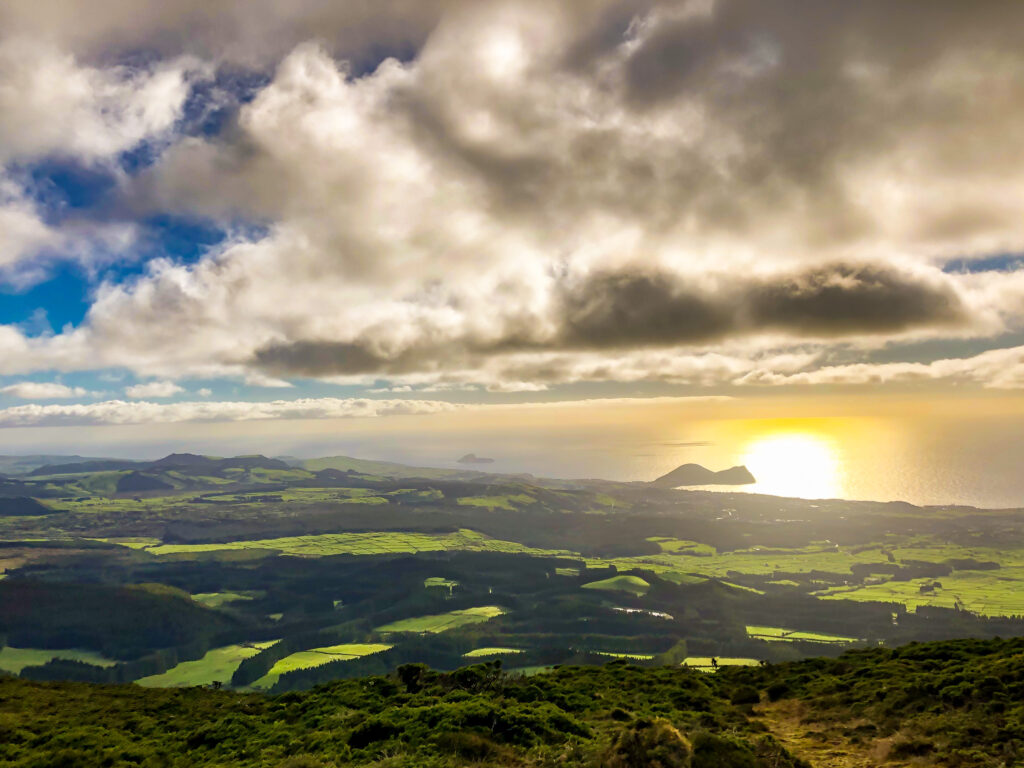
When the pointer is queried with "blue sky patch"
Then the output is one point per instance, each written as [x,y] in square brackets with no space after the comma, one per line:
[998,262]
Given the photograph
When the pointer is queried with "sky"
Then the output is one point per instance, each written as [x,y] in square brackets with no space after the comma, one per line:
[222,212]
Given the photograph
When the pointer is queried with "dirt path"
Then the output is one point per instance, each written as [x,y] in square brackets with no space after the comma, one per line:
[819,744]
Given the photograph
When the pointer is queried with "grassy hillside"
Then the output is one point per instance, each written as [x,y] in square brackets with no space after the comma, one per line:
[954,703]
[615,716]
[379,468]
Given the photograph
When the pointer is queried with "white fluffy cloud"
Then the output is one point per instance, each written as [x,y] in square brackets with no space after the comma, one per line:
[114,412]
[42,390]
[994,369]
[692,192]
[52,104]
[153,389]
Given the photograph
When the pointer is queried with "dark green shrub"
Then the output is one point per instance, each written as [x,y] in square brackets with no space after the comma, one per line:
[471,746]
[745,694]
[712,751]
[777,691]
[911,747]
[648,744]
[300,761]
[373,730]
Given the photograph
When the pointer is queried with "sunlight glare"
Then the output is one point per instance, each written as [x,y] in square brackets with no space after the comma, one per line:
[798,464]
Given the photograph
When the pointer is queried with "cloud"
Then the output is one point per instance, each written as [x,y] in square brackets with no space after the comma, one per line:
[42,390]
[994,369]
[533,194]
[120,412]
[638,308]
[52,104]
[258,32]
[115,412]
[29,244]
[153,389]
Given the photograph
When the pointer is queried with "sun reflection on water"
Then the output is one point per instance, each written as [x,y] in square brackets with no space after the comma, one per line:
[801,464]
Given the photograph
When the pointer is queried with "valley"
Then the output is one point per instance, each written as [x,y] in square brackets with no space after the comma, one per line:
[240,572]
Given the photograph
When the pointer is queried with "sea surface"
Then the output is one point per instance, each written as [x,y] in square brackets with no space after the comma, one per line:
[935,461]
[949,451]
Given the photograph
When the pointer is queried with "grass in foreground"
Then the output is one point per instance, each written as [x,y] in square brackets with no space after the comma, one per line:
[580,717]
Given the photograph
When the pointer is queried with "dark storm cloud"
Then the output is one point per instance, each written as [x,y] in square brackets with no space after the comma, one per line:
[631,310]
[611,310]
[625,309]
[844,299]
[319,357]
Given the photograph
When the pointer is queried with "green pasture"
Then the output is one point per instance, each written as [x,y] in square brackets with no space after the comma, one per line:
[477,653]
[439,581]
[219,599]
[317,656]
[361,544]
[509,501]
[136,542]
[14,660]
[683,547]
[218,665]
[622,583]
[625,655]
[377,468]
[779,634]
[988,593]
[442,622]
[704,664]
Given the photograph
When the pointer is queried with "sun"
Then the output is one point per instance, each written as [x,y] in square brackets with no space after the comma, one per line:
[800,464]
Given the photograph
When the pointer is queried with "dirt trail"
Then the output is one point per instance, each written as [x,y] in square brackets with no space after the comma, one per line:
[820,744]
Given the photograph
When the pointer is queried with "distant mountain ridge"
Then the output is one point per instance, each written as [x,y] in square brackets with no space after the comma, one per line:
[695,474]
[172,461]
[20,465]
[92,465]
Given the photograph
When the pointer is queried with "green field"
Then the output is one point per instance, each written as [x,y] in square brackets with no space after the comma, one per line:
[479,652]
[683,547]
[360,544]
[219,599]
[138,542]
[216,666]
[704,664]
[622,583]
[988,593]
[314,657]
[377,468]
[508,501]
[626,655]
[778,634]
[14,660]
[443,621]
[439,581]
